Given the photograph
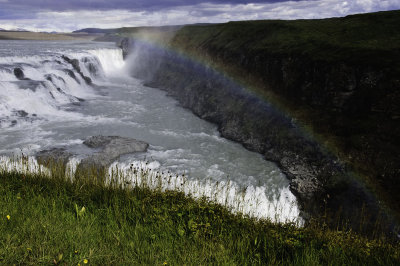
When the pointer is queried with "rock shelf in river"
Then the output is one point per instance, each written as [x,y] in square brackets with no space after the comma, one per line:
[106,150]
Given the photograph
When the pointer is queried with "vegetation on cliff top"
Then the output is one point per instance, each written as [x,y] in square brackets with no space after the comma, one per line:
[364,38]
[55,221]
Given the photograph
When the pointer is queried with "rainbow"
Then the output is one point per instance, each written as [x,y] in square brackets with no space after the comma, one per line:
[254,89]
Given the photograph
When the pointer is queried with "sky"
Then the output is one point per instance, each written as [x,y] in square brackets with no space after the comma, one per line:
[70,15]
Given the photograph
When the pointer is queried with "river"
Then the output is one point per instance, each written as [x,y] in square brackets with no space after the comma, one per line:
[51,105]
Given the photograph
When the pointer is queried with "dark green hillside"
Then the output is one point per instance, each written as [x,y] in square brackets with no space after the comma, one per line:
[133,30]
[95,30]
[369,38]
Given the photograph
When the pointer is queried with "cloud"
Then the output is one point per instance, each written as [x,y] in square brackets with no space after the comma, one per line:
[137,5]
[174,12]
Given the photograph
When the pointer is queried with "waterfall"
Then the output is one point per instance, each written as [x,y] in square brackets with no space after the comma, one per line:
[36,87]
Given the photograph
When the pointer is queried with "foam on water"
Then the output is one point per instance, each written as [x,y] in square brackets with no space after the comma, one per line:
[111,60]
[33,59]
[38,102]
[23,165]
[251,200]
[7,75]
[51,82]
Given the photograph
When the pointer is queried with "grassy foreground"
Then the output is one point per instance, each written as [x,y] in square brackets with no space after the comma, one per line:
[53,221]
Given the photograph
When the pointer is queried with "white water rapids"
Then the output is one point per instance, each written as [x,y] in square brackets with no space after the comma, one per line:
[53,106]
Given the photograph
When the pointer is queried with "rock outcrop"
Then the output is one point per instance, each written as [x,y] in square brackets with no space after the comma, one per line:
[126,44]
[111,148]
[53,156]
[75,64]
[19,74]
[105,150]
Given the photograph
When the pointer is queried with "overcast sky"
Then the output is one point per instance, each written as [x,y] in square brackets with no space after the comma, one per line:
[69,15]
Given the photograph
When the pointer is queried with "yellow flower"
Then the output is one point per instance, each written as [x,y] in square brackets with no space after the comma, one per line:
[29,249]
[85,261]
[165,263]
[8,217]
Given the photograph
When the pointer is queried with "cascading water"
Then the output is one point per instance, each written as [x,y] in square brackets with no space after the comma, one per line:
[55,94]
[35,87]
[111,60]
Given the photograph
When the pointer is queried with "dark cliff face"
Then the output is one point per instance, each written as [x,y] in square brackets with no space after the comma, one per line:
[340,77]
[317,178]
[356,106]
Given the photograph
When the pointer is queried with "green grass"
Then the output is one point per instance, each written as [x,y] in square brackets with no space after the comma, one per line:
[365,38]
[54,221]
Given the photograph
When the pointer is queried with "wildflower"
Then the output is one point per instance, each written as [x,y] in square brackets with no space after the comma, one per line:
[76,251]
[165,263]
[8,217]
[29,249]
[85,261]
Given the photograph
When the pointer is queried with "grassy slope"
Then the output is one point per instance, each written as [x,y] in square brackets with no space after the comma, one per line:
[47,224]
[357,38]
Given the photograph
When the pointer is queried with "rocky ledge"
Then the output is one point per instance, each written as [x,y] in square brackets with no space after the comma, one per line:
[104,151]
[111,148]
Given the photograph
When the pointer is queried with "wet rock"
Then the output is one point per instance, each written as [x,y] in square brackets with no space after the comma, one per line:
[98,141]
[19,74]
[91,65]
[92,68]
[126,44]
[75,65]
[73,62]
[22,113]
[86,79]
[111,147]
[72,75]
[106,150]
[52,78]
[54,155]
